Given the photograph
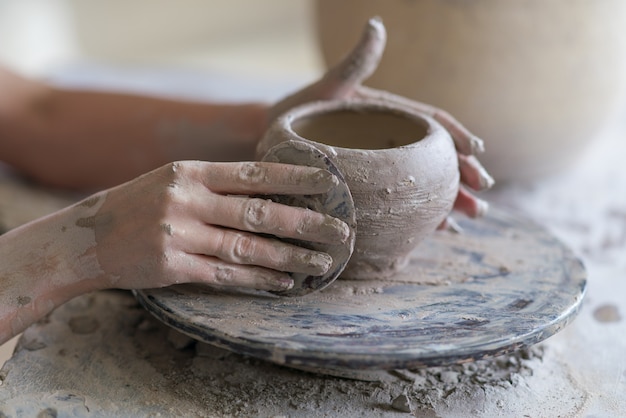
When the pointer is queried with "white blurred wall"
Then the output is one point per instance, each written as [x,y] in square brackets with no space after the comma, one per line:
[269,35]
[36,33]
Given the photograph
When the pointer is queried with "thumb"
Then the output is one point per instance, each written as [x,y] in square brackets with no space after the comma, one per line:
[358,64]
[341,80]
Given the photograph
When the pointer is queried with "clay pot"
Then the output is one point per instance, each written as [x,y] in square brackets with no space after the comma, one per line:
[400,166]
[536,79]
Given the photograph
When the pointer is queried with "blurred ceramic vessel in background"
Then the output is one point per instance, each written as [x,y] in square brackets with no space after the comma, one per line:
[400,166]
[536,79]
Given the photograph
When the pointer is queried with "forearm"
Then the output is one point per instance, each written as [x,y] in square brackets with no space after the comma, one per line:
[76,138]
[44,264]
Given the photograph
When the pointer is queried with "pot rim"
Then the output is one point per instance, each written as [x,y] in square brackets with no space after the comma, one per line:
[433,128]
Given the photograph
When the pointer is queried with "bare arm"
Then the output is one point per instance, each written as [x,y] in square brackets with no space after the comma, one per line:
[87,139]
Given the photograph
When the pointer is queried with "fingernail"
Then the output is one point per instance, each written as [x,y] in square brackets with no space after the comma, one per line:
[481,207]
[453,226]
[284,283]
[316,263]
[485,179]
[478,146]
[324,178]
[336,228]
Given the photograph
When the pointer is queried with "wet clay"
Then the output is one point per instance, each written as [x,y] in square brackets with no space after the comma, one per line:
[401,168]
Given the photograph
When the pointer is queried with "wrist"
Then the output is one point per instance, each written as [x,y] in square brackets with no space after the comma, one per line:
[46,263]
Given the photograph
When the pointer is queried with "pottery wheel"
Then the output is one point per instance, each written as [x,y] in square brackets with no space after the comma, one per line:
[503,284]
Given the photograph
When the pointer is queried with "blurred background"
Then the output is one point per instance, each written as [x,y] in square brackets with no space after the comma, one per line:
[539,81]
[273,37]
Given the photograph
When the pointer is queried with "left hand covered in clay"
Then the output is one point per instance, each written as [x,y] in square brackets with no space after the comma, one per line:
[344,81]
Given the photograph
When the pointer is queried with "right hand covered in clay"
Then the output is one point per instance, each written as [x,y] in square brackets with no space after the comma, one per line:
[344,81]
[195,221]
[185,222]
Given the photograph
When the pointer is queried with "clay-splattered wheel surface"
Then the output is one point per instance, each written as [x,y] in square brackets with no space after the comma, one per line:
[503,284]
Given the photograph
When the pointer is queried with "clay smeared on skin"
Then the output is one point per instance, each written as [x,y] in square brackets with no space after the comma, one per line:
[252,173]
[317,263]
[207,229]
[23,300]
[256,213]
[254,178]
[330,229]
[89,222]
[167,228]
[43,263]
[90,201]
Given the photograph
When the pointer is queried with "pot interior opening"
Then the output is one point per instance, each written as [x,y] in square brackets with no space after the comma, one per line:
[361,129]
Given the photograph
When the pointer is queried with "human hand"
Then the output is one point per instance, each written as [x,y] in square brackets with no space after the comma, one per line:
[344,81]
[194,221]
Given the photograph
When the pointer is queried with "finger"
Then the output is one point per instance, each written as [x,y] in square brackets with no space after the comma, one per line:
[470,205]
[449,224]
[245,248]
[340,81]
[267,217]
[466,142]
[358,64]
[473,174]
[267,178]
[210,270]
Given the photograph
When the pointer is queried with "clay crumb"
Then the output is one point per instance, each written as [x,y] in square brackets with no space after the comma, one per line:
[504,270]
[167,228]
[48,413]
[401,403]
[23,300]
[607,313]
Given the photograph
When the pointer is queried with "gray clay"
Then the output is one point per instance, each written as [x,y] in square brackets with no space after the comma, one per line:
[400,165]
